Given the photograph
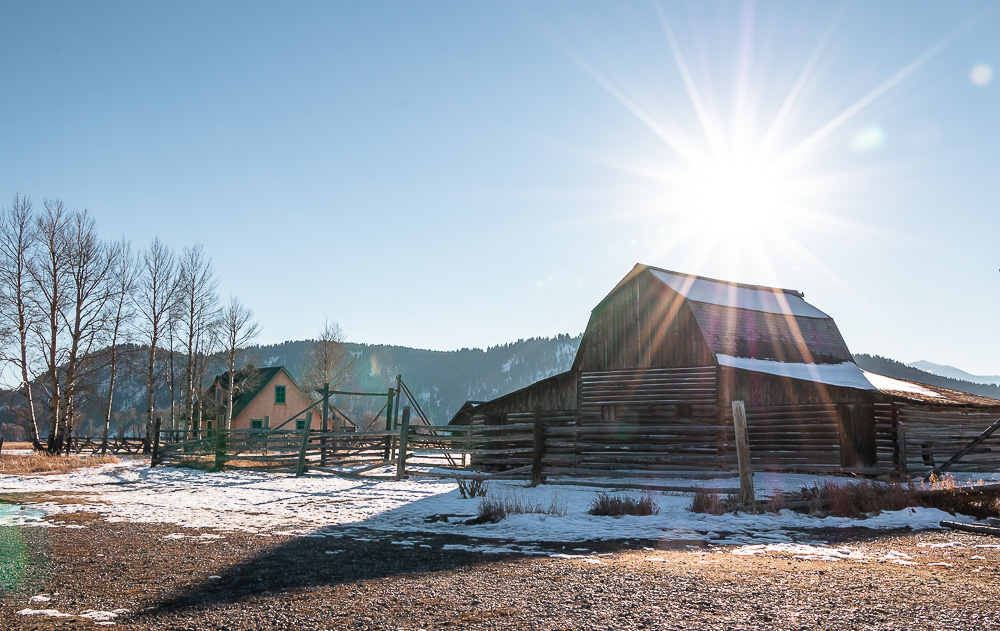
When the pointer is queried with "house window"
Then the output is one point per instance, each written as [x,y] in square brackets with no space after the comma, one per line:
[279,394]
[256,423]
[208,424]
[300,423]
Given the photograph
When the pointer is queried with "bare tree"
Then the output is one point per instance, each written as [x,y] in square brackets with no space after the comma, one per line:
[155,302]
[329,361]
[122,282]
[197,313]
[207,343]
[17,238]
[85,315]
[49,270]
[238,329]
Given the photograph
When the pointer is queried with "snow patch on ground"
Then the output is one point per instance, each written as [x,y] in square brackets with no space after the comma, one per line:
[275,504]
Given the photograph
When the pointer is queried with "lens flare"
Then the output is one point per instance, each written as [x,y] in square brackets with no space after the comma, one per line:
[981,75]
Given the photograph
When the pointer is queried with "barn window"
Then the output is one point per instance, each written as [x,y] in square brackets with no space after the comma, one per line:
[608,413]
[279,394]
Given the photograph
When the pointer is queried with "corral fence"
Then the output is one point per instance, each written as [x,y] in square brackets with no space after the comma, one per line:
[535,445]
[117,445]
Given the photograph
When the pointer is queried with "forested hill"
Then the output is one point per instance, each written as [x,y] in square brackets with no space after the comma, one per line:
[441,380]
[899,370]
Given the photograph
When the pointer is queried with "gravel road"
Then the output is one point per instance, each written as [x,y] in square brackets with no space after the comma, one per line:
[354,579]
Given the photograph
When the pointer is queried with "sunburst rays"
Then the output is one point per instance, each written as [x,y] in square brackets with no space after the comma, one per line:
[733,189]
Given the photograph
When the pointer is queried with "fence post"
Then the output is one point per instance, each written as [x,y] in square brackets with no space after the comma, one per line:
[537,447]
[388,426]
[747,496]
[155,460]
[326,413]
[220,449]
[300,468]
[404,434]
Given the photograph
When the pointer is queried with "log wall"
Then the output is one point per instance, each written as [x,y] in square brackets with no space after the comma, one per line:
[932,434]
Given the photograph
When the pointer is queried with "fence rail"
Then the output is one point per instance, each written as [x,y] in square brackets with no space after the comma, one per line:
[806,439]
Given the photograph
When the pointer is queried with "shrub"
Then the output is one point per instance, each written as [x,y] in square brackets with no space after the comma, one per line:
[606,504]
[496,508]
[856,499]
[707,501]
[475,486]
[944,492]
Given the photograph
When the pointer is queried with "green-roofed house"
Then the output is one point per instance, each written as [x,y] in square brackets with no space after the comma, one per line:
[262,398]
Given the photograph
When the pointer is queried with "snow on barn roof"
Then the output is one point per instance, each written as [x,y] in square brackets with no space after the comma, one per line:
[888,384]
[849,375]
[845,374]
[737,295]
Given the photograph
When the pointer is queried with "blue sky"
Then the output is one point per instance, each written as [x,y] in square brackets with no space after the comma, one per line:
[453,174]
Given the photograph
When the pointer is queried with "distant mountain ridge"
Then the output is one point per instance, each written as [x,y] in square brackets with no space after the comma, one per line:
[899,370]
[442,381]
[943,370]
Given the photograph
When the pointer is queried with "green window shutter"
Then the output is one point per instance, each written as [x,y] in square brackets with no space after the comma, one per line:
[279,394]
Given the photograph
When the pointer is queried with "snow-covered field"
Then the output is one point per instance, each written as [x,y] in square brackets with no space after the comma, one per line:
[267,503]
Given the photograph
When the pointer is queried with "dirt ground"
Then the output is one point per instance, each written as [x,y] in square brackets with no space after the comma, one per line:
[173,578]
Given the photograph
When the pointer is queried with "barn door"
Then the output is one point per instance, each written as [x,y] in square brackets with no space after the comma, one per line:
[857,435]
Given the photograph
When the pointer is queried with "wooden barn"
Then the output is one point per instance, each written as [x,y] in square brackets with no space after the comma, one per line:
[664,356]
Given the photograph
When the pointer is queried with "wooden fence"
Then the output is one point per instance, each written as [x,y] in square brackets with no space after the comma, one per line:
[116,445]
[804,439]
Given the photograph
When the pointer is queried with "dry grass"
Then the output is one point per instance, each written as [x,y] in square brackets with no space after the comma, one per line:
[496,508]
[9,445]
[944,492]
[44,463]
[607,505]
[707,501]
[472,487]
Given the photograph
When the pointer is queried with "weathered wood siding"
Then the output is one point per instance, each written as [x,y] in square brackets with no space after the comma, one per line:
[930,435]
[649,396]
[760,389]
[642,324]
[555,393]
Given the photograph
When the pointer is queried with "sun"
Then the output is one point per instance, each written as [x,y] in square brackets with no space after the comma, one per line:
[736,193]
[749,170]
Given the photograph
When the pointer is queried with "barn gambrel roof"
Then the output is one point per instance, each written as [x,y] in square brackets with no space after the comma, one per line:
[758,322]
